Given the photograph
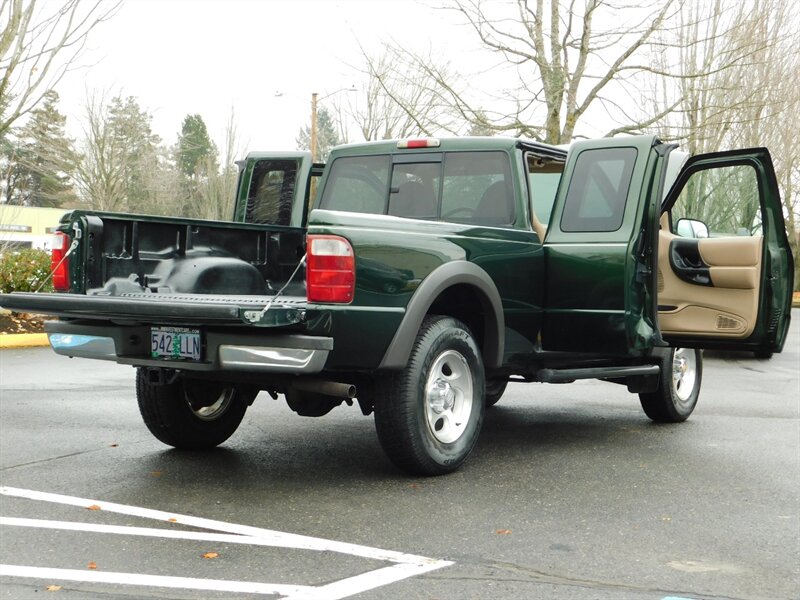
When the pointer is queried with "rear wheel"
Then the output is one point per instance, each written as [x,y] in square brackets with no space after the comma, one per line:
[678,387]
[429,415]
[191,415]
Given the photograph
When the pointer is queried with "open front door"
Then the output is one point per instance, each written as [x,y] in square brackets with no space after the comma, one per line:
[725,269]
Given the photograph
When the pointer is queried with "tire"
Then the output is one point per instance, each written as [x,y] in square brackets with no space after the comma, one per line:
[191,415]
[763,354]
[494,391]
[678,387]
[428,416]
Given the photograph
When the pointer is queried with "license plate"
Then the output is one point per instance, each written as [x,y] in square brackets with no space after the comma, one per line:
[179,343]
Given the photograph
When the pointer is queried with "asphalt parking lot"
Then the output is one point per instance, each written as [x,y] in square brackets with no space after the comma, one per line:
[571,493]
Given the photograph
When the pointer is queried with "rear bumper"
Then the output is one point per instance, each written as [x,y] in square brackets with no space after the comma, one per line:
[222,350]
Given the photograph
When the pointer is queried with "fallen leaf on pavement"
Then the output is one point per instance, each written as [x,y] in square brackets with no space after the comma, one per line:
[503,532]
[91,565]
[211,555]
[94,507]
[53,588]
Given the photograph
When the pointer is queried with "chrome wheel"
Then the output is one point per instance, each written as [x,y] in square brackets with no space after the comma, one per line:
[429,414]
[216,409]
[448,396]
[684,373]
[675,396]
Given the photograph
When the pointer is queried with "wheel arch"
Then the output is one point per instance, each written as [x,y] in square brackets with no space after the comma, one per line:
[455,289]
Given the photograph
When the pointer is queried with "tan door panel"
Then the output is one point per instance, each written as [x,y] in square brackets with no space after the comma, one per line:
[731,251]
[726,309]
[741,278]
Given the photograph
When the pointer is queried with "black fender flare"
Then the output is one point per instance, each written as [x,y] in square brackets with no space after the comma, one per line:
[450,274]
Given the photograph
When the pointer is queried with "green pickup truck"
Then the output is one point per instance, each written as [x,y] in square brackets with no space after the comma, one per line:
[426,275]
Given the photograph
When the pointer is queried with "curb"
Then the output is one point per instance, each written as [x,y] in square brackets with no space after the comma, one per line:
[23,340]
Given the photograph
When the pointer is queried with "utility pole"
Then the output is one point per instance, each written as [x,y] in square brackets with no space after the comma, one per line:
[314,127]
[314,124]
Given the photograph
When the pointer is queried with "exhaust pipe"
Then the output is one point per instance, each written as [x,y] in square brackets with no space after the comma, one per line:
[328,388]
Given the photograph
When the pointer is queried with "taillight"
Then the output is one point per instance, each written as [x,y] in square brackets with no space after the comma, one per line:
[330,269]
[59,265]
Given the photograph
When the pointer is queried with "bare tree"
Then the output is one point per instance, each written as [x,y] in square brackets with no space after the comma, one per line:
[39,43]
[558,59]
[737,68]
[100,173]
[398,100]
[122,166]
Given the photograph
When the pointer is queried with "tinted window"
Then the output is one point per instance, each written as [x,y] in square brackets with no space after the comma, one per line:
[598,190]
[269,199]
[467,187]
[357,184]
[415,190]
[477,188]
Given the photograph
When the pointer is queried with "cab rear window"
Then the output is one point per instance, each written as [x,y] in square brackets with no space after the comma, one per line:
[461,187]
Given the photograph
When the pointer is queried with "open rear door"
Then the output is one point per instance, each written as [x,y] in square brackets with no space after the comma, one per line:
[599,249]
[725,269]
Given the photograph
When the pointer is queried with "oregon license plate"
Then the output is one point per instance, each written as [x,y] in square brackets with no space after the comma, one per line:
[179,343]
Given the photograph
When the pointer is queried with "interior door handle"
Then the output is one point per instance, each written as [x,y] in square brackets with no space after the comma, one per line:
[686,262]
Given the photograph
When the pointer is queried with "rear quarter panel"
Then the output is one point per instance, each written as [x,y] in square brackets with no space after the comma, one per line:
[394,255]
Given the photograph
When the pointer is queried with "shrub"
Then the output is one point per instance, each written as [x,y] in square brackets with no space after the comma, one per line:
[24,270]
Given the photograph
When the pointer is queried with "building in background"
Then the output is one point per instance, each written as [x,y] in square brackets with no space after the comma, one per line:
[28,226]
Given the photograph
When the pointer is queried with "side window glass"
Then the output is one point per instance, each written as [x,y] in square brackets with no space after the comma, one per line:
[598,190]
[477,189]
[415,190]
[718,202]
[271,193]
[357,184]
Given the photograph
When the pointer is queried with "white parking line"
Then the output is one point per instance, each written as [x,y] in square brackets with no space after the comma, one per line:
[407,565]
[216,585]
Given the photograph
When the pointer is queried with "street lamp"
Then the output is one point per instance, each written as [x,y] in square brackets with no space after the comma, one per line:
[314,100]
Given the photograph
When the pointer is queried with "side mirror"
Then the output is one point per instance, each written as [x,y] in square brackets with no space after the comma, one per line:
[691,228]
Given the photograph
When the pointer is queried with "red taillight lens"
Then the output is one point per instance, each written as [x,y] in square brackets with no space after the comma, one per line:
[58,264]
[330,269]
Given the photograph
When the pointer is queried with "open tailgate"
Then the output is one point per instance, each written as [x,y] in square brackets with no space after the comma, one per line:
[175,309]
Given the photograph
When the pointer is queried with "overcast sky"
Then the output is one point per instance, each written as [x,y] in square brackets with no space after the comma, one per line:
[209,57]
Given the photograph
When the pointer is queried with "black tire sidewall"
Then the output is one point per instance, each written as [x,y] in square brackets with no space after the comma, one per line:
[664,406]
[441,335]
[168,416]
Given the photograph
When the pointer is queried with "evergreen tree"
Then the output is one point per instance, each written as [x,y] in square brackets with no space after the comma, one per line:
[327,136]
[136,147]
[8,172]
[196,154]
[40,164]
